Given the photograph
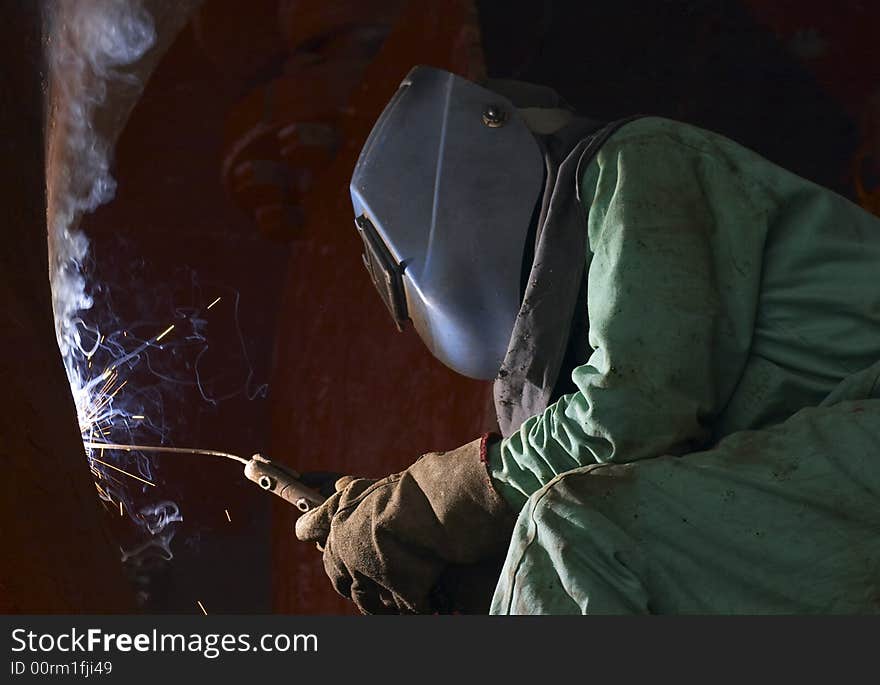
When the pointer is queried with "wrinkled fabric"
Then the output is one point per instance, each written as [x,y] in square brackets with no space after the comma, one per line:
[780,520]
[724,296]
[724,293]
[428,539]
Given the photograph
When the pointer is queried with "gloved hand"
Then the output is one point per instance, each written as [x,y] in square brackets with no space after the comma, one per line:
[419,541]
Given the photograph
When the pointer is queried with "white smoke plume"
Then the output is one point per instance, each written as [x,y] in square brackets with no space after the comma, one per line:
[94,54]
[89,45]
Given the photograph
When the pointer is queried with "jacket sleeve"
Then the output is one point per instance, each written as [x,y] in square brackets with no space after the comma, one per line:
[676,231]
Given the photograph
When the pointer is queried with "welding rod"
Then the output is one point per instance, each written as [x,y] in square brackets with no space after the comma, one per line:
[273,477]
[157,448]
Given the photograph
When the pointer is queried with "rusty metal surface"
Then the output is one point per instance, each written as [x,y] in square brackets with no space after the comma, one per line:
[57,557]
[284,132]
[350,393]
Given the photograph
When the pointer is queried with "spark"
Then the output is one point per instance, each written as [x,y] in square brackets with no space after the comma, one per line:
[112,369]
[120,387]
[111,479]
[116,468]
[100,402]
[164,333]
[95,410]
[109,375]
[201,606]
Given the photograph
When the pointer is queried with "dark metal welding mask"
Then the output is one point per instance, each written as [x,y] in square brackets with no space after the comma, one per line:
[444,192]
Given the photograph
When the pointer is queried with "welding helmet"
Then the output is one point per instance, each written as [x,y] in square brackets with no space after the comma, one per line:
[444,194]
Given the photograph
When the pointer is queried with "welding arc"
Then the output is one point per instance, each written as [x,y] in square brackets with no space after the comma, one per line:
[156,448]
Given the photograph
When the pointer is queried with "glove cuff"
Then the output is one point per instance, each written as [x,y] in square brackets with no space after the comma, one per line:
[475,521]
[486,440]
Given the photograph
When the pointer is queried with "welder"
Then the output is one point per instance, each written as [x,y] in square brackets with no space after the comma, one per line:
[685,345]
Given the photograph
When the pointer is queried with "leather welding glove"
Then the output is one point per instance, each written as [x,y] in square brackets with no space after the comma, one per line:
[429,539]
